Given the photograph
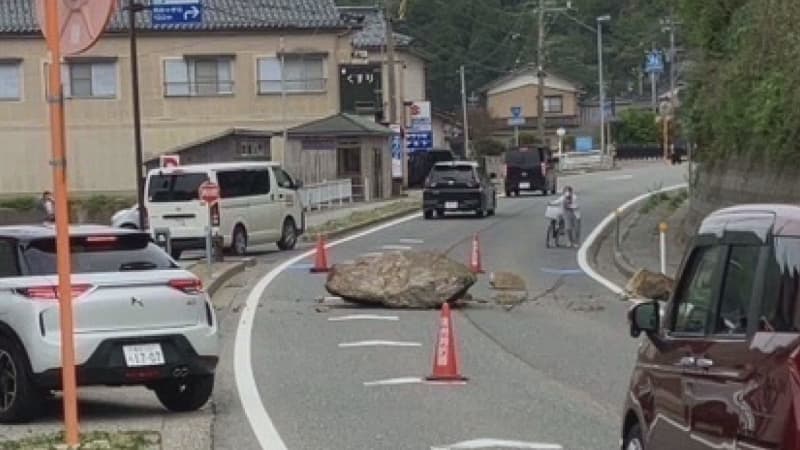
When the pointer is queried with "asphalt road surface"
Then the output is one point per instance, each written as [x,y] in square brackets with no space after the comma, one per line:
[553,370]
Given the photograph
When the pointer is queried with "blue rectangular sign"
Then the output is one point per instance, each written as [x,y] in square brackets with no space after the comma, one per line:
[584,143]
[419,141]
[177,13]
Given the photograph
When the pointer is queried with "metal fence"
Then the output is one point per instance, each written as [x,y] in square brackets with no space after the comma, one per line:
[645,151]
[583,160]
[327,194]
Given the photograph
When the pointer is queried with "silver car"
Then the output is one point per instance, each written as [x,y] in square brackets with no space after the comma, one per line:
[139,319]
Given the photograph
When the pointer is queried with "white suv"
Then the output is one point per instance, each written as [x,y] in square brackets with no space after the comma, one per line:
[139,319]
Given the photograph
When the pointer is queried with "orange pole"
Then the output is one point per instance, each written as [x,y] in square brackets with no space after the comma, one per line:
[59,164]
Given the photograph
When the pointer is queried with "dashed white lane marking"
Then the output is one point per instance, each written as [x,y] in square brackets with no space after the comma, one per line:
[411,241]
[396,247]
[260,422]
[394,381]
[620,177]
[362,317]
[371,254]
[498,443]
[358,344]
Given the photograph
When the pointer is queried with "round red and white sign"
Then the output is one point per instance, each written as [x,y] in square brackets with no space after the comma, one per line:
[209,192]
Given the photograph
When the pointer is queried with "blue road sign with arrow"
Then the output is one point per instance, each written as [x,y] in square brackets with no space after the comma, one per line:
[174,12]
[654,63]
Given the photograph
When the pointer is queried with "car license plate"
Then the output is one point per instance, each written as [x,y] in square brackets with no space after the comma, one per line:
[143,355]
[451,205]
[524,185]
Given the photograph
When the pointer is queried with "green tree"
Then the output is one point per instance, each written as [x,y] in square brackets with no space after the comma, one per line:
[637,127]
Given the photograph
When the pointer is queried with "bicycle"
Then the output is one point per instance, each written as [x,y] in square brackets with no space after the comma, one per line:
[555,226]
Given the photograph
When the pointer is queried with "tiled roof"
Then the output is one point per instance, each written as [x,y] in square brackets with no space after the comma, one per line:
[373,33]
[19,16]
[341,124]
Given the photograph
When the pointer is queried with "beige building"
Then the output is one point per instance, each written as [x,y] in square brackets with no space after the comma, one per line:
[521,90]
[267,68]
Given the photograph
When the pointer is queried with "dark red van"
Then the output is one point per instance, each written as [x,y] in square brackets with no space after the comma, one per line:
[720,367]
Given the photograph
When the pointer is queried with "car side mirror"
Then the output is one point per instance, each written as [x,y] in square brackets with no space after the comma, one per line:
[492,176]
[298,184]
[644,317]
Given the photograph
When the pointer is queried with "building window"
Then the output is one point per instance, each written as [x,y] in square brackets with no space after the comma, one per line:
[198,77]
[291,73]
[554,104]
[90,79]
[10,80]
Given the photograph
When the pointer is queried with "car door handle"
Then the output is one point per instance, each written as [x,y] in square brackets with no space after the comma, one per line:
[687,361]
[704,363]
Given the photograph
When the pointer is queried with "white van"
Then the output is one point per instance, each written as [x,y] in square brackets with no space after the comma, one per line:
[259,204]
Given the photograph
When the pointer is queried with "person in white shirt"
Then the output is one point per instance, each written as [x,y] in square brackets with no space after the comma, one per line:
[571,215]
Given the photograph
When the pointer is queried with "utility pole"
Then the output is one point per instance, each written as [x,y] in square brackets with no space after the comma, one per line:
[669,25]
[542,11]
[133,8]
[390,66]
[653,87]
[467,150]
[601,82]
[540,118]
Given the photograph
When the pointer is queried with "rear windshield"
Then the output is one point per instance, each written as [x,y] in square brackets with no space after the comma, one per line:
[99,254]
[181,187]
[456,174]
[528,159]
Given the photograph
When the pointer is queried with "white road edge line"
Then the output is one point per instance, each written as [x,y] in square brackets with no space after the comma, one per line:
[583,252]
[394,381]
[254,409]
[498,443]
[361,317]
[378,343]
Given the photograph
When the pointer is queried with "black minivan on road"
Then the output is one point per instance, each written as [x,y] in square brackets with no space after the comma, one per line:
[530,169]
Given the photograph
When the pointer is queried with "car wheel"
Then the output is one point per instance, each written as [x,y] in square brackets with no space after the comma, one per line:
[19,398]
[184,395]
[516,193]
[176,254]
[439,213]
[633,439]
[508,193]
[288,235]
[239,241]
[480,212]
[428,214]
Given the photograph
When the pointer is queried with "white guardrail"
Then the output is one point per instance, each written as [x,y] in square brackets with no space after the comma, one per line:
[327,194]
[582,160]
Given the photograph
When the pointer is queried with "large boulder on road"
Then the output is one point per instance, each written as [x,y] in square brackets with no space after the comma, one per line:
[408,279]
[652,285]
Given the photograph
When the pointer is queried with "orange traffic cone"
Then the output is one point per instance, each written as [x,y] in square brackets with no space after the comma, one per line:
[475,257]
[445,357]
[321,259]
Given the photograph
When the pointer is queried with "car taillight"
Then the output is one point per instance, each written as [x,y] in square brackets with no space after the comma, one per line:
[215,215]
[505,171]
[187,285]
[146,219]
[51,292]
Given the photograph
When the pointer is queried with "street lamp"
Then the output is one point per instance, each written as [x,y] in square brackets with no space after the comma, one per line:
[601,83]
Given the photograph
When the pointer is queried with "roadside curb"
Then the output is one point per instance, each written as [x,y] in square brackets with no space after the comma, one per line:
[587,254]
[223,277]
[360,226]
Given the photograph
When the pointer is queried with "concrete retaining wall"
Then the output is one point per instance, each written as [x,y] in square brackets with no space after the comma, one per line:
[741,180]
